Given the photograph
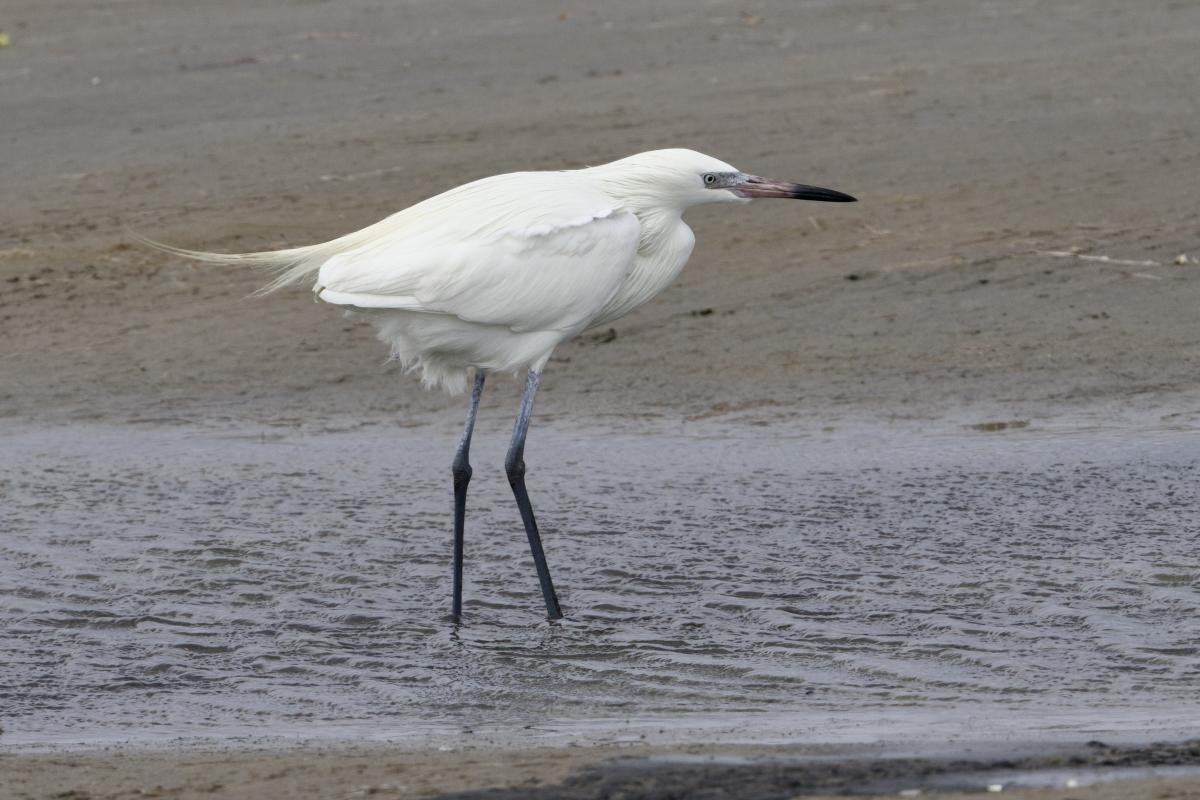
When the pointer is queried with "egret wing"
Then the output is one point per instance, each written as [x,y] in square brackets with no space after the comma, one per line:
[548,271]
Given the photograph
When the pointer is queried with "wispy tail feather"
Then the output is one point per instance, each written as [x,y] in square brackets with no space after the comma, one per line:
[291,265]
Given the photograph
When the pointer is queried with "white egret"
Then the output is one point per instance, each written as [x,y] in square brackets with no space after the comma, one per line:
[493,275]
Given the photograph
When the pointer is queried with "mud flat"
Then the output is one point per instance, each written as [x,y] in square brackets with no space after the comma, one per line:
[1026,175]
[1096,771]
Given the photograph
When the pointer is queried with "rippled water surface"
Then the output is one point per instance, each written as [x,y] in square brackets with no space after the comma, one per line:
[204,581]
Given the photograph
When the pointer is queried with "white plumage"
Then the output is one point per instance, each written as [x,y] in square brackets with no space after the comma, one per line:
[496,273]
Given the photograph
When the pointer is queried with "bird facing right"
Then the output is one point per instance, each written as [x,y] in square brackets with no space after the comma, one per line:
[493,275]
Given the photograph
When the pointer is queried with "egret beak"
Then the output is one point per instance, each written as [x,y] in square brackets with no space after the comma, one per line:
[754,186]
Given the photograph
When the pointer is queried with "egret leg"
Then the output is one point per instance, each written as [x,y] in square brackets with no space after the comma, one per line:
[461,469]
[514,465]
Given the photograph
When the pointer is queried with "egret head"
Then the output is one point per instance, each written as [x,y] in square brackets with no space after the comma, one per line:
[684,178]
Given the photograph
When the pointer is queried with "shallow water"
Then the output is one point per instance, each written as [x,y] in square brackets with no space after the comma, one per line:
[195,580]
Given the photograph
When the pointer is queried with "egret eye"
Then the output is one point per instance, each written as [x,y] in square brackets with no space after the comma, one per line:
[710,179]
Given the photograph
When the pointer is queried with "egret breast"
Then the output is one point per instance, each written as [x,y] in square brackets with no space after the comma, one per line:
[664,252]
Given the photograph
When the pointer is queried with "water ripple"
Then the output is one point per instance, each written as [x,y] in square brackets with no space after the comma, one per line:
[169,578]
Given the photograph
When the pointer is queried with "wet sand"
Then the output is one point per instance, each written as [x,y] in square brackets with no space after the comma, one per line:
[981,141]
[1096,771]
[1027,177]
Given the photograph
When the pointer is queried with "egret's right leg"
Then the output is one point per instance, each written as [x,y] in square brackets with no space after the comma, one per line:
[461,468]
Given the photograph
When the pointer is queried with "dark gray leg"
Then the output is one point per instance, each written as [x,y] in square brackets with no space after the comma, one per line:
[461,468]
[514,465]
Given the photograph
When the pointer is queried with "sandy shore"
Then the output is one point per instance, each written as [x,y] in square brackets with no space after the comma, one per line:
[986,143]
[1027,245]
[630,771]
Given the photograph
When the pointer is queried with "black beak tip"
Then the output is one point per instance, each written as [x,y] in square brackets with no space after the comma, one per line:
[831,196]
[821,194]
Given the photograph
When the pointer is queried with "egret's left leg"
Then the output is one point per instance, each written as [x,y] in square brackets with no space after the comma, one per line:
[514,465]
